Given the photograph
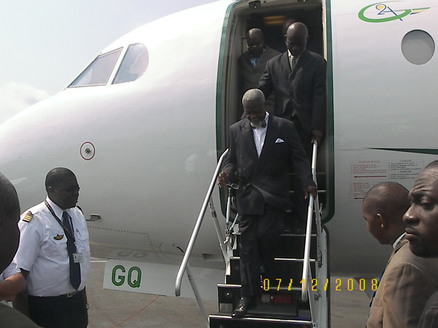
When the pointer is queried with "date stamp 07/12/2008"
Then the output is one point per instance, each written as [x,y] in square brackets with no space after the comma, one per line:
[336,285]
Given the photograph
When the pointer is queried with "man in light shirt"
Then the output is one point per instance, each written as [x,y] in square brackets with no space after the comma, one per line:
[54,255]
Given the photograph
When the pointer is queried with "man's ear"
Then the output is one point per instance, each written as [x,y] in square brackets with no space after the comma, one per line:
[50,190]
[382,221]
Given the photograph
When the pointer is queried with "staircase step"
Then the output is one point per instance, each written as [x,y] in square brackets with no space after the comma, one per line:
[282,303]
[286,268]
[280,259]
[291,244]
[225,321]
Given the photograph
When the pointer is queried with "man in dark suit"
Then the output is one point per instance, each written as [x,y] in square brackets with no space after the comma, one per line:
[252,63]
[297,78]
[262,149]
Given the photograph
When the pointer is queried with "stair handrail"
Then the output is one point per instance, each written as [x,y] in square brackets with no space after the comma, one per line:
[306,276]
[195,231]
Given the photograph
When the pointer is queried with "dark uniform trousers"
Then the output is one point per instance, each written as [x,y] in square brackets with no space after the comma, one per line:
[258,241]
[59,311]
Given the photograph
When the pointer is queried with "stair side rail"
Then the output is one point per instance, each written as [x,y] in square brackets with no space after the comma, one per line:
[313,206]
[198,224]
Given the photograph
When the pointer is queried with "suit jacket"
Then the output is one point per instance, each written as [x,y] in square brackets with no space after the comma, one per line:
[406,285]
[265,179]
[300,93]
[250,76]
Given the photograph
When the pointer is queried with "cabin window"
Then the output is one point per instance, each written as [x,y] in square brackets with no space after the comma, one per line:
[133,65]
[99,71]
[418,47]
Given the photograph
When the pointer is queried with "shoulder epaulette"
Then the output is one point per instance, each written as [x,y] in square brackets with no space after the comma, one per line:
[28,217]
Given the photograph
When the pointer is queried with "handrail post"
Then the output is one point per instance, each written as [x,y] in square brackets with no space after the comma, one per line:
[197,295]
[198,223]
[306,260]
[218,232]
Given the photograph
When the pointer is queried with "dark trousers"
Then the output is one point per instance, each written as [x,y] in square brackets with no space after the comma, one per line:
[298,201]
[59,311]
[259,236]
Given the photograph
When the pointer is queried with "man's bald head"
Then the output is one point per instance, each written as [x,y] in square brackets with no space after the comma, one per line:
[286,25]
[297,29]
[296,38]
[383,207]
[255,41]
[388,198]
[255,33]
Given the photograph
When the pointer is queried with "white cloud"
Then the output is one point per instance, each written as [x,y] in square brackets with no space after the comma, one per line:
[16,96]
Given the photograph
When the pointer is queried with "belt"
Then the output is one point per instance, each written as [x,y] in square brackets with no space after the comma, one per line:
[68,295]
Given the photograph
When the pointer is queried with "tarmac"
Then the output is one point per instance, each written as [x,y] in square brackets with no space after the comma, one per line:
[118,309]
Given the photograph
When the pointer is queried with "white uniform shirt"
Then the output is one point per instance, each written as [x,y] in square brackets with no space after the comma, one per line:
[43,250]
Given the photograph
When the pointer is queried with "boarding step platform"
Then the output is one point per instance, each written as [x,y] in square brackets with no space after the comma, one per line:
[280,303]
[221,321]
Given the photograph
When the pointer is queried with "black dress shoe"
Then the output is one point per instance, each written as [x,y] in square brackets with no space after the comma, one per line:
[245,303]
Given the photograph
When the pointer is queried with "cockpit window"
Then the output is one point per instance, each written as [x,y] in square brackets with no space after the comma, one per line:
[134,64]
[99,71]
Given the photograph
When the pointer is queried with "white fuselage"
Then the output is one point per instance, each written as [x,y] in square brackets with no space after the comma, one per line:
[156,139]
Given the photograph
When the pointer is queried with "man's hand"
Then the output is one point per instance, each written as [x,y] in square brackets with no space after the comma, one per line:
[317,136]
[310,190]
[222,179]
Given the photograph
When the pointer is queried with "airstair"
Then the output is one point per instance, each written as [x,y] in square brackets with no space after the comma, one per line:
[298,296]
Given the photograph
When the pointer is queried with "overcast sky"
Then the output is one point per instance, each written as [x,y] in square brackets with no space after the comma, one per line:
[47,43]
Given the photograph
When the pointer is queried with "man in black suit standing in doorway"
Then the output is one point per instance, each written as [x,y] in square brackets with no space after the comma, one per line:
[297,78]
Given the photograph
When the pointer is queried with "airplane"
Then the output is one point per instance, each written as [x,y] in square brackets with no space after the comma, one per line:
[144,124]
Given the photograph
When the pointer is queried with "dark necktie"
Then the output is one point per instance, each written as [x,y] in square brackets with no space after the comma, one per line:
[75,269]
[293,63]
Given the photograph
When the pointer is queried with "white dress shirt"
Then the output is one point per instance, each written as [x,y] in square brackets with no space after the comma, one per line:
[260,135]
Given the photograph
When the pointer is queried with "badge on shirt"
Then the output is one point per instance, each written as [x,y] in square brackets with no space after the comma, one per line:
[58,237]
[77,257]
[28,217]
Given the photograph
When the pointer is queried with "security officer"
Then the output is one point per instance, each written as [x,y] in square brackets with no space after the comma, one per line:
[54,255]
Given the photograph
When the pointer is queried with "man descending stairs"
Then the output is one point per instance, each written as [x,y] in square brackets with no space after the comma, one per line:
[263,149]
